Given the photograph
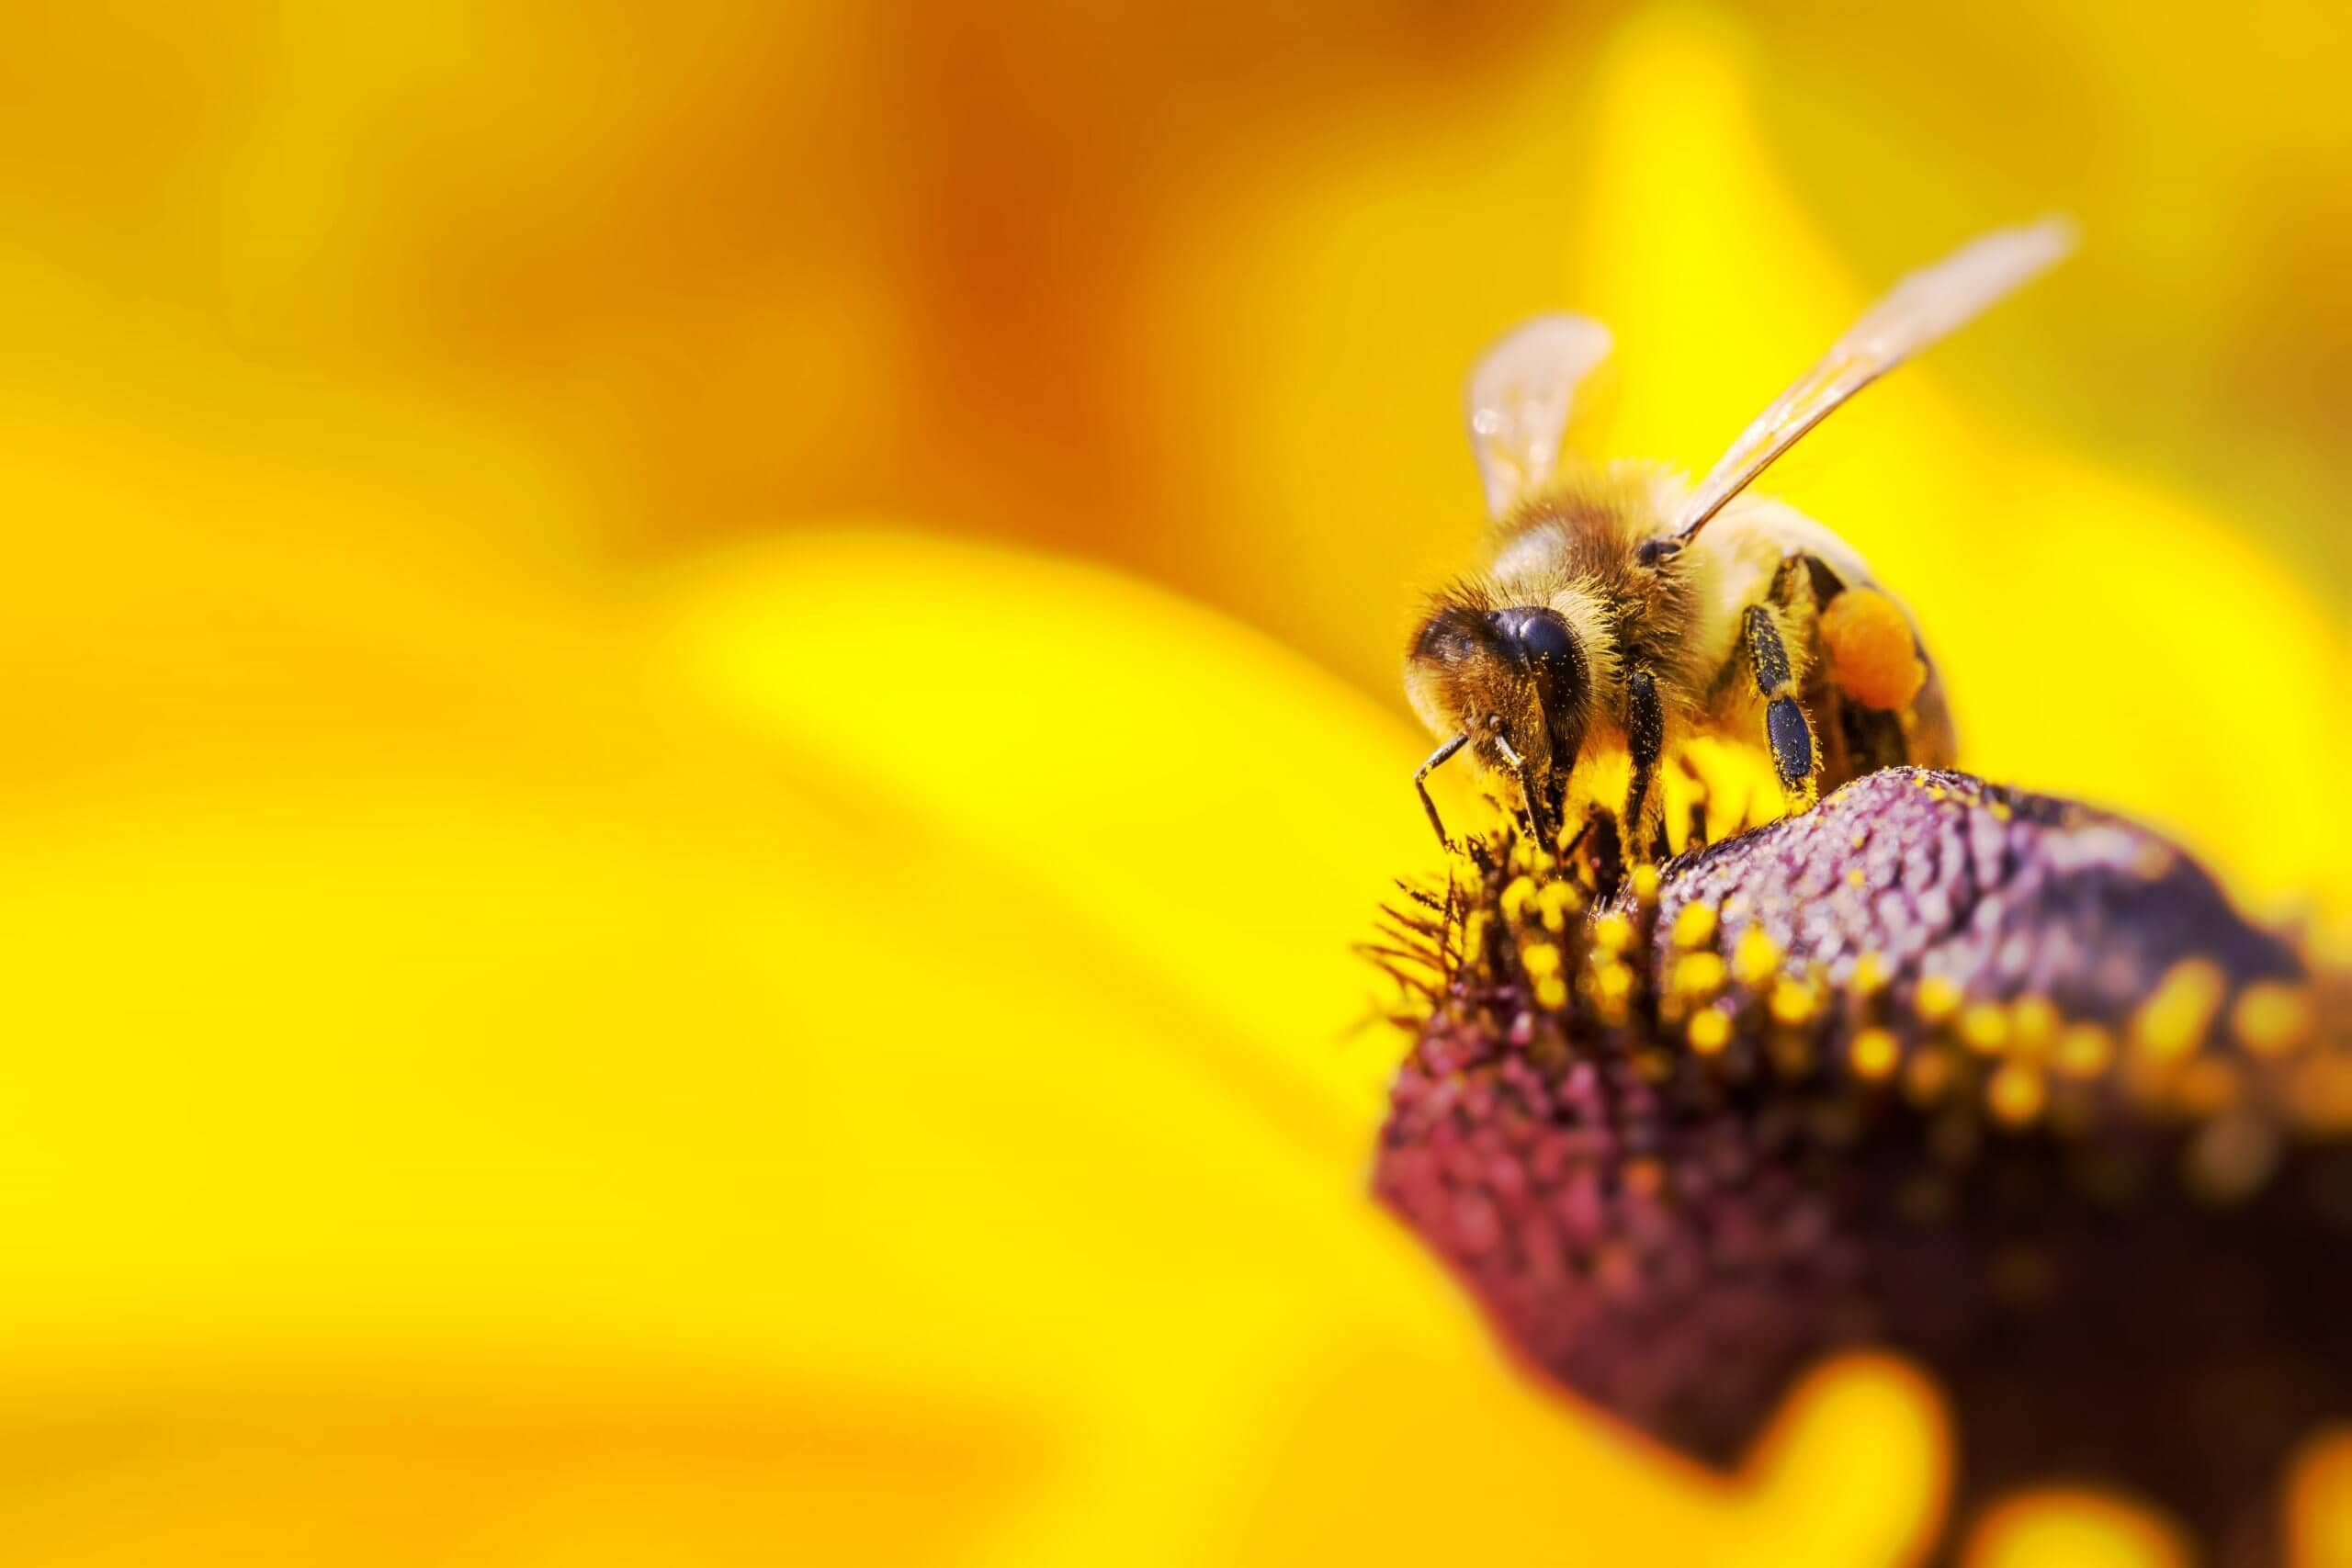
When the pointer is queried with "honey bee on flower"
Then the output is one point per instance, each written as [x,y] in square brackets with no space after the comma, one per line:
[1622,612]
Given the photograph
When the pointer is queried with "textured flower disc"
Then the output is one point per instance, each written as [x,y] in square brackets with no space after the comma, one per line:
[1992,1079]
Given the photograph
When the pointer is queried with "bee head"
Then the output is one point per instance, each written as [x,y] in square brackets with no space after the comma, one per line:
[1511,681]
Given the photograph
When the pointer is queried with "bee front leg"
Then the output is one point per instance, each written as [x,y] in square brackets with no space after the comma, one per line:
[1786,729]
[1645,740]
[1421,785]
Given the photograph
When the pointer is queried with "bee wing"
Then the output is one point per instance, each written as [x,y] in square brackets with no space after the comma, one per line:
[1923,307]
[1517,402]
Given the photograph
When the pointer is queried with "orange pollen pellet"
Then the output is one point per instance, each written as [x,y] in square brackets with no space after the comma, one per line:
[1872,656]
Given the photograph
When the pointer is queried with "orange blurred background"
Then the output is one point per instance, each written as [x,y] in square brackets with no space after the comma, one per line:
[545,683]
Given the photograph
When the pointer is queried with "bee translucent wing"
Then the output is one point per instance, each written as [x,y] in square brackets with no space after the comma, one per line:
[1517,402]
[1924,306]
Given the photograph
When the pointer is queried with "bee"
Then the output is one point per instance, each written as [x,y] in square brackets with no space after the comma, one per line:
[1622,610]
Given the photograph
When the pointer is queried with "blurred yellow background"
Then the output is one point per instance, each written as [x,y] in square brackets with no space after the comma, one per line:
[699,697]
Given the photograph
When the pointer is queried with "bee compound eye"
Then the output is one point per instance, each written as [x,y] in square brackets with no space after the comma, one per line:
[1538,634]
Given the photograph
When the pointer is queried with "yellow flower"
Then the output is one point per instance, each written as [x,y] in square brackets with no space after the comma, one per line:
[635,1079]
[845,1048]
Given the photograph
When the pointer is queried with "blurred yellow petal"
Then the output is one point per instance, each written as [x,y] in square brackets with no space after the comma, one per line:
[847,1063]
[1209,802]
[1087,718]
[2101,637]
[642,1050]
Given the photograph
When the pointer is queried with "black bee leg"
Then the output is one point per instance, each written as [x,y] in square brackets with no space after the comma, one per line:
[1786,729]
[1527,792]
[1851,738]
[1420,783]
[1645,740]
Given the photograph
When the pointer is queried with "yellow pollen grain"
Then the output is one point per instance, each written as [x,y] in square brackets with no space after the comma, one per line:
[2033,1024]
[2208,1087]
[1539,959]
[1934,792]
[2000,810]
[2174,1017]
[1551,993]
[1710,1031]
[1516,897]
[1860,838]
[1872,974]
[1694,925]
[1699,975]
[1612,933]
[1556,902]
[2084,1052]
[1984,1028]
[2271,1018]
[1937,998]
[1474,936]
[1873,1053]
[1792,1002]
[1756,957]
[1612,982]
[1644,880]
[1926,1075]
[1854,877]
[2321,1092]
[2014,1096]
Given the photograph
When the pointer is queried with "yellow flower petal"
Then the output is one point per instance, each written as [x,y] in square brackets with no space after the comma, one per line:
[2099,635]
[1336,1389]
[1198,795]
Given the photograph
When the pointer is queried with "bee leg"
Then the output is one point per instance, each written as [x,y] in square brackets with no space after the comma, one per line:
[1855,738]
[1644,738]
[1786,729]
[1527,792]
[1420,783]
